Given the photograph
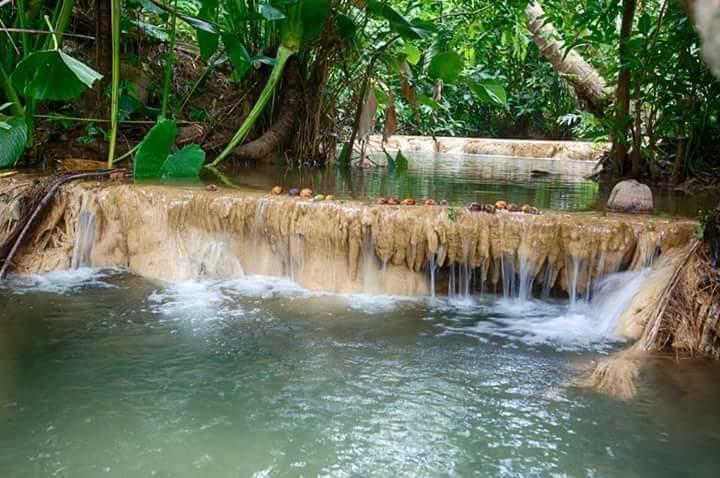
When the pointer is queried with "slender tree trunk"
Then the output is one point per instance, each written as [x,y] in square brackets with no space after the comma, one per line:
[589,87]
[622,93]
[103,45]
[677,171]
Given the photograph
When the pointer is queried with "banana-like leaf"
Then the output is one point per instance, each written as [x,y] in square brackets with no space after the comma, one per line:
[53,75]
[13,136]
[367,115]
[390,118]
[446,66]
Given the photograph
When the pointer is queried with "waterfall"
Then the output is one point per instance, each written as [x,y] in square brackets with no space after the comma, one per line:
[526,278]
[259,223]
[369,263]
[572,271]
[84,235]
[547,279]
[507,269]
[432,269]
[612,296]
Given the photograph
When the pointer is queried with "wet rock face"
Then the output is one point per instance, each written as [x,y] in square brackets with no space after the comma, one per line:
[173,233]
[630,197]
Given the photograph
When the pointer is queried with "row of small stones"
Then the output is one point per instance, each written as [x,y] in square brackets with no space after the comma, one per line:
[307,193]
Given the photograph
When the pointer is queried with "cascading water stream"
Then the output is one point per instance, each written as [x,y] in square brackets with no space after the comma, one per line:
[84,236]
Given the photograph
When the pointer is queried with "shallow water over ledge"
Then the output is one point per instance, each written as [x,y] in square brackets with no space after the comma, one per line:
[552,184]
[103,373]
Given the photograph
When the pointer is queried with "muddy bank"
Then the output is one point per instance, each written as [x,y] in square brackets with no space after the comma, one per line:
[566,150]
[175,233]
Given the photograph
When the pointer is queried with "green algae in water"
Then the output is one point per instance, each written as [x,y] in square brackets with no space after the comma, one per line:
[105,374]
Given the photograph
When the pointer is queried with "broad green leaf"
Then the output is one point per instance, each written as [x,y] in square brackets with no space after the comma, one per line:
[13,136]
[186,163]
[238,54]
[313,15]
[489,91]
[53,75]
[154,150]
[412,53]
[270,13]
[446,66]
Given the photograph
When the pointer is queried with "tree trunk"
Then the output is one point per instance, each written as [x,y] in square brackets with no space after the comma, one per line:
[677,171]
[103,39]
[622,93]
[590,88]
[283,130]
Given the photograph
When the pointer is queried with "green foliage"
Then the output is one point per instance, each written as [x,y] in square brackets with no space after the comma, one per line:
[52,75]
[154,159]
[13,136]
[446,66]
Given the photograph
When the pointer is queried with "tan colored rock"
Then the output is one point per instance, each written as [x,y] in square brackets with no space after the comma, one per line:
[630,196]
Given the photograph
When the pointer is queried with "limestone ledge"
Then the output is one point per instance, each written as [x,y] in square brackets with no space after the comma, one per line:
[178,233]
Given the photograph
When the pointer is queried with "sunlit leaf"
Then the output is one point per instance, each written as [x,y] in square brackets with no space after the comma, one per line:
[446,66]
[412,53]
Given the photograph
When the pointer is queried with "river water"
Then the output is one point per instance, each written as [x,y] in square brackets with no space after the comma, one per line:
[106,374]
[560,185]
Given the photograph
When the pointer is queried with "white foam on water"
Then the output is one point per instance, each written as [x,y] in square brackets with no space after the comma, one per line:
[574,327]
[63,282]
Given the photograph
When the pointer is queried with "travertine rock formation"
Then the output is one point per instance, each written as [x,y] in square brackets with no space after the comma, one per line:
[174,233]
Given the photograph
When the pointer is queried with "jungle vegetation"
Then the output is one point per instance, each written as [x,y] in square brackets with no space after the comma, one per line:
[177,84]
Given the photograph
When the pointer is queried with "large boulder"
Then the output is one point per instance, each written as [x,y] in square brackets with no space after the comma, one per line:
[631,197]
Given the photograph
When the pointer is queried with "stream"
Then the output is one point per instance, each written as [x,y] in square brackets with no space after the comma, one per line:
[103,373]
